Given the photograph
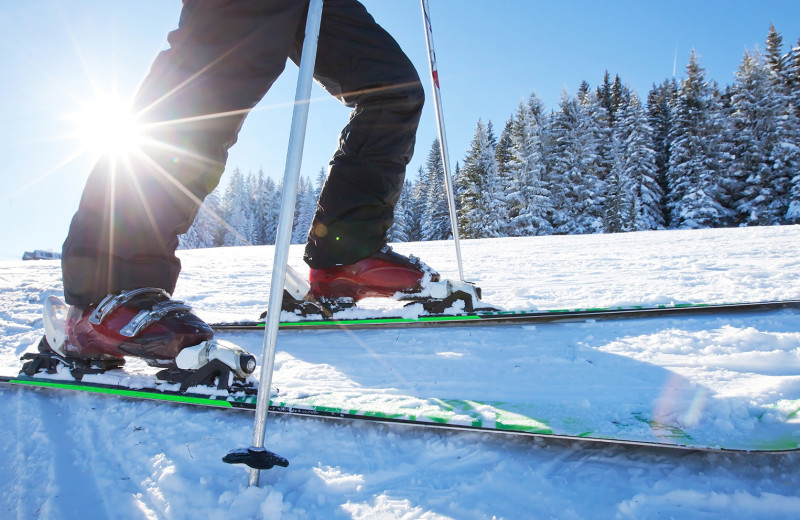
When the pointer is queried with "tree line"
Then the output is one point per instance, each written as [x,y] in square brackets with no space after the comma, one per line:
[692,155]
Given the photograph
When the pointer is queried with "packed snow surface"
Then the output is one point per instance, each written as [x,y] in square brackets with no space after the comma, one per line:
[75,455]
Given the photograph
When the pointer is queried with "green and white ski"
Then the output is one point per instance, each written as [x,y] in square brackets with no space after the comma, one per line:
[634,428]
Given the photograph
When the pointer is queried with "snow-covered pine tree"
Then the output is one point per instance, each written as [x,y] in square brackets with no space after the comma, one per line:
[618,215]
[270,199]
[237,211]
[322,176]
[578,192]
[640,167]
[729,188]
[528,199]
[417,207]
[619,208]
[604,95]
[793,86]
[660,102]
[205,230]
[620,94]
[257,195]
[403,218]
[784,156]
[304,210]
[621,202]
[480,214]
[435,223]
[597,133]
[775,60]
[504,155]
[693,200]
[792,73]
[601,107]
[754,123]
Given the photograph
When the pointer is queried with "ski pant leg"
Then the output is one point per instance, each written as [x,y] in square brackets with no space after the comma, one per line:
[364,67]
[223,57]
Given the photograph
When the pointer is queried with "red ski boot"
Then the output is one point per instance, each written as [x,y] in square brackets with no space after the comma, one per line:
[385,274]
[144,322]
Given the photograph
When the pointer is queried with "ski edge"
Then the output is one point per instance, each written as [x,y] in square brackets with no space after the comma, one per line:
[248,403]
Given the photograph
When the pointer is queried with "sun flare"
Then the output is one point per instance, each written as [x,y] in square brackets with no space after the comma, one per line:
[107,126]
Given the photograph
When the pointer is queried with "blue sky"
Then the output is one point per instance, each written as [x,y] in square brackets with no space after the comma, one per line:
[58,55]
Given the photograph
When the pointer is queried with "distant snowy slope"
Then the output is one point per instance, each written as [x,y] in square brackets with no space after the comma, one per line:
[86,456]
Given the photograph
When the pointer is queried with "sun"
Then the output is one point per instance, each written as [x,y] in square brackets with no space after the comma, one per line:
[106,126]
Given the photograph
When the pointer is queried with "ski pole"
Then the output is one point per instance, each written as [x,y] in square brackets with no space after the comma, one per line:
[256,456]
[437,101]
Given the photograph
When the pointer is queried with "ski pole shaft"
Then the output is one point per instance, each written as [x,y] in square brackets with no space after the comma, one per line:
[291,177]
[437,100]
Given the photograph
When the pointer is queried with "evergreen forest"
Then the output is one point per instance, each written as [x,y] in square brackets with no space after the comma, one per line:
[693,154]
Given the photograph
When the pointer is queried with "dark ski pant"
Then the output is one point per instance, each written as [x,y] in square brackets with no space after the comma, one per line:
[223,57]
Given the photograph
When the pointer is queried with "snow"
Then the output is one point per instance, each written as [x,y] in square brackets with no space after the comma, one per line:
[74,455]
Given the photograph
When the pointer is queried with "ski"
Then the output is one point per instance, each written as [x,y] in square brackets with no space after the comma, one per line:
[341,320]
[637,429]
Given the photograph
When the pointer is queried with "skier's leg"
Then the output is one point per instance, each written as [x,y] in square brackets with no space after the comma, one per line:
[119,260]
[363,66]
[223,57]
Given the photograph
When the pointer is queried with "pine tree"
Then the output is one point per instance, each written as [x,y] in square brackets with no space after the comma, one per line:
[729,187]
[418,206]
[660,104]
[401,230]
[578,192]
[270,200]
[618,215]
[305,204]
[435,224]
[236,211]
[611,133]
[598,129]
[785,153]
[754,132]
[480,214]
[765,131]
[528,199]
[793,88]
[792,73]
[620,95]
[640,168]
[605,96]
[774,58]
[504,157]
[205,230]
[257,188]
[694,161]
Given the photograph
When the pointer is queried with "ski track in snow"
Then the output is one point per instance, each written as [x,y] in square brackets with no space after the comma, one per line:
[89,456]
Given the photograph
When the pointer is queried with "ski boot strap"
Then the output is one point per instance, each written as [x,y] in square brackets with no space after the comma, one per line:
[113,301]
[146,316]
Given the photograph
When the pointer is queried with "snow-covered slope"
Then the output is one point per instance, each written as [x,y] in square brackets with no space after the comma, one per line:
[86,456]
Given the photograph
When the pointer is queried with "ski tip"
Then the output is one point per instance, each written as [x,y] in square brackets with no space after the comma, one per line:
[256,458]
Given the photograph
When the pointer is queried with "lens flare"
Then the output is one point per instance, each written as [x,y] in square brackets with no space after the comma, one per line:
[107,126]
